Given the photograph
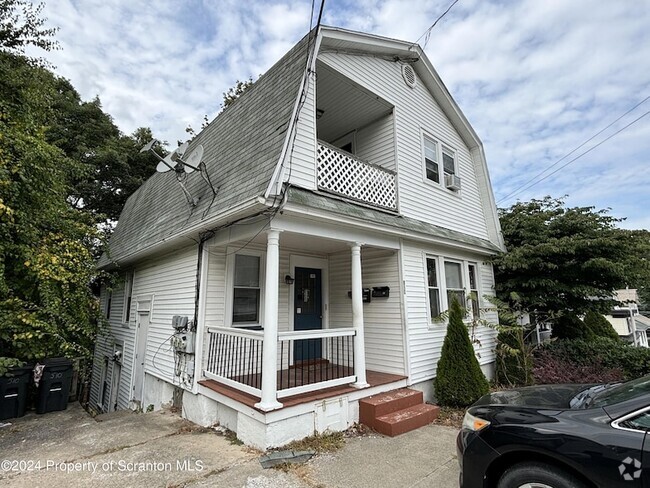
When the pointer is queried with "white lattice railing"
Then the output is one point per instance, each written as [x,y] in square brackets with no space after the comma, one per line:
[347,176]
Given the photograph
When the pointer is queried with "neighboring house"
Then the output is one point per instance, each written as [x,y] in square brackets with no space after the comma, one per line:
[628,323]
[353,203]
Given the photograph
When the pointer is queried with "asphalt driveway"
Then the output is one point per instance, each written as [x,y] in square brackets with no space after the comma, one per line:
[71,449]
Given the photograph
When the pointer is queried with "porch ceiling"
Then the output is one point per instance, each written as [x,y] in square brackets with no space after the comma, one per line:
[305,242]
[346,104]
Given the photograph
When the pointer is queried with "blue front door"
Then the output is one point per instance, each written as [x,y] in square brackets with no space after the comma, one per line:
[308,312]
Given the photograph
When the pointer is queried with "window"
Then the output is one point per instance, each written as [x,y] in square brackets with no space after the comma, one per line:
[454,283]
[128,292]
[449,279]
[473,289]
[434,288]
[436,153]
[109,302]
[448,161]
[246,290]
[431,159]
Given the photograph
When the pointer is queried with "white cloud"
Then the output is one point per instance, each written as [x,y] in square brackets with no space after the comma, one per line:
[534,78]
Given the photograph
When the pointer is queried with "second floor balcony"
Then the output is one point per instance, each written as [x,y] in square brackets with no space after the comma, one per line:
[343,174]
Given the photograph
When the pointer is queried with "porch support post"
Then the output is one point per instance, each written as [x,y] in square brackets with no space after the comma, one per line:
[357,318]
[269,400]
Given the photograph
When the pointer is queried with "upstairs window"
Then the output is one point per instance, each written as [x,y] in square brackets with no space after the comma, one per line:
[448,160]
[431,159]
[440,164]
[246,290]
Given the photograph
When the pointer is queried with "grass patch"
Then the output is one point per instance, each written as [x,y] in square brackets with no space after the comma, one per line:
[320,443]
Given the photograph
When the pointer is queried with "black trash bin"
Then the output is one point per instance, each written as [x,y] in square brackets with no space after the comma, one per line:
[54,387]
[13,392]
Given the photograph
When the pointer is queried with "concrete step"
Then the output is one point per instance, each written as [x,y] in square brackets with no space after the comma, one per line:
[406,420]
[375,406]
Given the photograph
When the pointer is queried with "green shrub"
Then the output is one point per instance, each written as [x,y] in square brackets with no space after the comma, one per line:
[513,358]
[599,325]
[459,380]
[610,353]
[569,326]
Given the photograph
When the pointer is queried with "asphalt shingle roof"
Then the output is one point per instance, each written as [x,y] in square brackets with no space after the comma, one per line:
[242,148]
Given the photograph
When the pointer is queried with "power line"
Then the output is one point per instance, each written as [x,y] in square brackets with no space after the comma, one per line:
[427,33]
[584,153]
[521,187]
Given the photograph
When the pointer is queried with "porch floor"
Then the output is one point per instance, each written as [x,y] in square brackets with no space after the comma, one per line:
[374,378]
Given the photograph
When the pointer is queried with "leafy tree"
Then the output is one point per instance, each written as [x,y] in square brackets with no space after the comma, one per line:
[234,92]
[561,259]
[599,325]
[46,264]
[459,380]
[21,25]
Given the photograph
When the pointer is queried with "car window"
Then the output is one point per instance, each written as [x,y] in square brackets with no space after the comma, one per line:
[622,392]
[642,422]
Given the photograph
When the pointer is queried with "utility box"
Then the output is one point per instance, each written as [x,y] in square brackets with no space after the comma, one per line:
[54,387]
[13,392]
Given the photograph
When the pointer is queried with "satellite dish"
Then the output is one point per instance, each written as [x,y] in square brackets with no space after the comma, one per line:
[182,148]
[194,159]
[148,146]
[165,164]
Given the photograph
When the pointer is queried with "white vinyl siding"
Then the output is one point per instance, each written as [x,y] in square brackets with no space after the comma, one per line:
[425,339]
[171,279]
[416,111]
[376,144]
[301,155]
[105,346]
[382,317]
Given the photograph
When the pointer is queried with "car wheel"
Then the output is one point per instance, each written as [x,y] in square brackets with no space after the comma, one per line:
[537,475]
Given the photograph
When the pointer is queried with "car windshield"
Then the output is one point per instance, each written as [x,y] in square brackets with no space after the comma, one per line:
[621,392]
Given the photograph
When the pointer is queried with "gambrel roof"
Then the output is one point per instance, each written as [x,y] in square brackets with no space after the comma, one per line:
[242,148]
[244,155]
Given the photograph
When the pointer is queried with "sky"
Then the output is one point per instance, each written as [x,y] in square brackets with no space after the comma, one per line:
[535,78]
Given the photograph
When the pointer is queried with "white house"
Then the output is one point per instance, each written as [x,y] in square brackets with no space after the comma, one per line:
[628,323]
[352,202]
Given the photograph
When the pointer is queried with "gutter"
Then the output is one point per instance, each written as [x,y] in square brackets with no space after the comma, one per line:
[185,234]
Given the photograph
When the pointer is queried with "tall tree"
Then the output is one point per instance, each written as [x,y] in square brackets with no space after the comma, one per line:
[561,259]
[46,264]
[21,25]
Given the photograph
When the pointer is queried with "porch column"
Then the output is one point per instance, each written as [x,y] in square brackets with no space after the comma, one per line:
[357,319]
[269,400]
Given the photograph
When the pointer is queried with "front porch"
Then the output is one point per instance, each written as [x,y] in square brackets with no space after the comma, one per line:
[299,320]
[374,379]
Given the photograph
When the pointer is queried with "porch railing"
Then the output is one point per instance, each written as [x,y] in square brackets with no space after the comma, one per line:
[307,360]
[315,359]
[343,174]
[235,358]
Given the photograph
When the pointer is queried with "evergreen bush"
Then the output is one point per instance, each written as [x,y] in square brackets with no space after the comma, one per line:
[599,325]
[569,326]
[459,380]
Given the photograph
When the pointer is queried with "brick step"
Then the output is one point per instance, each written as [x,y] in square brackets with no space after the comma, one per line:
[406,420]
[375,406]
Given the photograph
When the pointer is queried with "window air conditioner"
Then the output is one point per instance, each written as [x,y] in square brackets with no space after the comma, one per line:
[452,182]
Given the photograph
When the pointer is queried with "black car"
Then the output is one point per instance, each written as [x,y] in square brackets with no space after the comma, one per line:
[558,436]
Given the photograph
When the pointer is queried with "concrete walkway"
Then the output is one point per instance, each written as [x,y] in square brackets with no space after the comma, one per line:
[159,449]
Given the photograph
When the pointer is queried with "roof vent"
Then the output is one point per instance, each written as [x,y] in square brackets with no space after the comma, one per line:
[408,73]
